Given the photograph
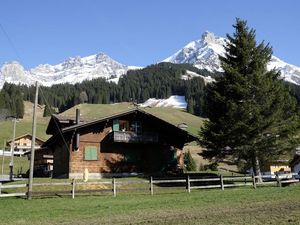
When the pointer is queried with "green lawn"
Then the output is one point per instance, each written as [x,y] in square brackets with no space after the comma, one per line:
[266,205]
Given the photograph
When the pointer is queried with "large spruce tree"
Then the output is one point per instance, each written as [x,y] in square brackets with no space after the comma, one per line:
[252,116]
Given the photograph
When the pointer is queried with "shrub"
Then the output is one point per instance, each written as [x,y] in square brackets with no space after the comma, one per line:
[213,166]
[189,162]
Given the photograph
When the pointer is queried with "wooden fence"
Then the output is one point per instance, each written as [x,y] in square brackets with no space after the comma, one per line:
[12,186]
[73,186]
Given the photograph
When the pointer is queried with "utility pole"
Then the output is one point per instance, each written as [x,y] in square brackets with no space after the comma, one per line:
[29,194]
[12,148]
[4,145]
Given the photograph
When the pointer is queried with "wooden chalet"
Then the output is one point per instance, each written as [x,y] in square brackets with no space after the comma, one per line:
[131,142]
[22,144]
[276,166]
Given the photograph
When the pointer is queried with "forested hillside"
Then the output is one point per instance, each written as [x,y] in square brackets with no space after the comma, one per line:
[156,81]
[11,102]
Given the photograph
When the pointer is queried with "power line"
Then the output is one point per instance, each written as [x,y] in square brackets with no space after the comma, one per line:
[55,122]
[11,43]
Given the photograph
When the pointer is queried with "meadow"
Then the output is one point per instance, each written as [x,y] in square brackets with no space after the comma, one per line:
[265,205]
[234,206]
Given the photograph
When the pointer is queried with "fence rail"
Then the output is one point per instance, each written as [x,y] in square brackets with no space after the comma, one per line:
[16,194]
[114,186]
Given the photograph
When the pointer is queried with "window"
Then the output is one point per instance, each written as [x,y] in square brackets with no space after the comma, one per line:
[90,153]
[136,127]
[124,125]
[120,125]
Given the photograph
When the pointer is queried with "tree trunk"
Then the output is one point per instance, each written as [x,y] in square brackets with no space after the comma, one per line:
[256,168]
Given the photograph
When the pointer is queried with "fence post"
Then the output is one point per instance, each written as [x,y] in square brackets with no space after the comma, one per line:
[188,184]
[278,180]
[114,187]
[73,188]
[151,185]
[253,181]
[222,183]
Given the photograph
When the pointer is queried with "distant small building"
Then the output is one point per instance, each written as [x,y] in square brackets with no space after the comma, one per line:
[23,144]
[277,166]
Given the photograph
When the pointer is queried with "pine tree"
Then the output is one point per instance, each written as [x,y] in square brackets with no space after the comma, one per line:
[252,116]
[190,106]
[190,164]
[48,111]
[83,97]
[19,107]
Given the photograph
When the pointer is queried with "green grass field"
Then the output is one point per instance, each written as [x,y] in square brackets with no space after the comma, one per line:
[266,205]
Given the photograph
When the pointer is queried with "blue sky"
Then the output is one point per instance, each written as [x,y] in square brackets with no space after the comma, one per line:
[136,32]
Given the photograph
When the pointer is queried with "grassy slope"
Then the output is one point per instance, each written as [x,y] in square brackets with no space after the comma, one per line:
[24,125]
[232,206]
[174,116]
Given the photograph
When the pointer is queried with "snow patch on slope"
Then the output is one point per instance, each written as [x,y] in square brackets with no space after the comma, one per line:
[190,75]
[174,101]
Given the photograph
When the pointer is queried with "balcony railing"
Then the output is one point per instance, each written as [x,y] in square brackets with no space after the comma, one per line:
[131,137]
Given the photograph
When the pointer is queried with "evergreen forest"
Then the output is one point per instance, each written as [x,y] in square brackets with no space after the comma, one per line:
[155,81]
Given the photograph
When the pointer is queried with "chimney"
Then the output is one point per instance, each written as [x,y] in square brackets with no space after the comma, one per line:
[77,116]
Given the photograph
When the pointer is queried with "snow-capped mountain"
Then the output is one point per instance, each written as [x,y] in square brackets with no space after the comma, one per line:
[72,70]
[204,54]
[201,53]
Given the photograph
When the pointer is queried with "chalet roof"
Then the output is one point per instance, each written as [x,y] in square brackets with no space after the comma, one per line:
[73,127]
[81,125]
[26,135]
[58,121]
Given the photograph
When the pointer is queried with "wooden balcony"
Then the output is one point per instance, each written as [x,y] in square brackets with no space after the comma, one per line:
[131,137]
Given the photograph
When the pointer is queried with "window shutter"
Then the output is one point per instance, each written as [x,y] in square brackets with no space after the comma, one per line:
[116,125]
[90,153]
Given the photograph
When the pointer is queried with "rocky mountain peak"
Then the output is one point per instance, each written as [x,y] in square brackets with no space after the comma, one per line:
[72,70]
[204,54]
[208,37]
